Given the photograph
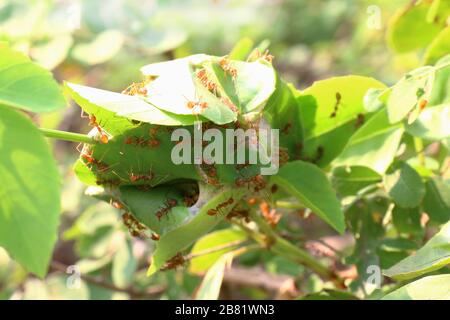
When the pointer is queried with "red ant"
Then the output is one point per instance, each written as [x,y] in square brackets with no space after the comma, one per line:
[359,120]
[170,203]
[226,66]
[197,107]
[229,104]
[117,204]
[155,236]
[271,216]
[93,123]
[336,105]
[422,104]
[286,128]
[175,261]
[141,177]
[209,84]
[133,225]
[111,182]
[215,211]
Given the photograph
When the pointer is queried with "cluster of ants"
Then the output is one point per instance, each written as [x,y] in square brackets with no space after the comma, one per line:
[136,228]
[258,182]
[138,88]
[153,142]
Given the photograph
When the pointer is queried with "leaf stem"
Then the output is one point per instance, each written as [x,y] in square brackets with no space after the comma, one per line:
[67,136]
[284,248]
[418,145]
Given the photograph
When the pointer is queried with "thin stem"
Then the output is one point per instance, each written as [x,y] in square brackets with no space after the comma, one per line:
[418,145]
[284,248]
[134,293]
[67,136]
[288,205]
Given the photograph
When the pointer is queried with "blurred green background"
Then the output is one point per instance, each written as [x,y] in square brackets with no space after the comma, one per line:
[104,43]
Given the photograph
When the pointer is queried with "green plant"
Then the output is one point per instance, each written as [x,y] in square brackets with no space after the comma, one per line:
[365,158]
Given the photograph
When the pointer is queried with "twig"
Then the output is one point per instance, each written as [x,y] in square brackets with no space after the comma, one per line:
[149,293]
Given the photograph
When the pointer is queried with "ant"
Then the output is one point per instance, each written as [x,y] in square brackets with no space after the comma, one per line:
[422,104]
[134,226]
[336,105]
[170,203]
[286,128]
[175,261]
[266,56]
[271,216]
[229,104]
[215,211]
[141,177]
[209,84]
[359,120]
[319,154]
[110,182]
[117,204]
[243,214]
[226,66]
[139,87]
[93,123]
[197,107]
[155,236]
[89,159]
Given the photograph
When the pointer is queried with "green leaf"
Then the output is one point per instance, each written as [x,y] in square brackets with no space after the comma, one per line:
[406,93]
[210,286]
[216,239]
[373,99]
[404,186]
[407,220]
[432,256]
[432,124]
[349,180]
[104,47]
[310,185]
[282,112]
[26,85]
[409,30]
[144,205]
[124,265]
[331,111]
[428,288]
[180,238]
[374,145]
[440,93]
[30,189]
[439,47]
[248,90]
[241,49]
[437,200]
[123,106]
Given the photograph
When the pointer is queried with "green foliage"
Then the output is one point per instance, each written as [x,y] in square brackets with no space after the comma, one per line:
[370,161]
[29,211]
[404,186]
[409,29]
[427,288]
[432,256]
[311,187]
[25,85]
